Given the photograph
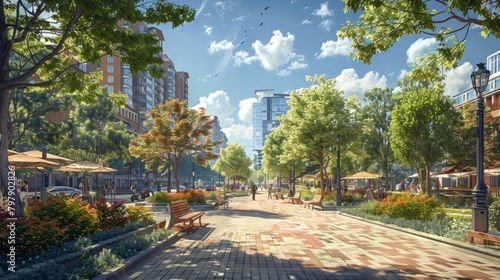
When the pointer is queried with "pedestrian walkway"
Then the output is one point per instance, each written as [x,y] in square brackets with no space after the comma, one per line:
[271,239]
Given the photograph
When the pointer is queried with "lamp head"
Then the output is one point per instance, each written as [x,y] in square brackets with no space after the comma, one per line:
[339,138]
[480,78]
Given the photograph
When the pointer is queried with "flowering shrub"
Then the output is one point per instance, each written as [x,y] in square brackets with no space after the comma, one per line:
[139,213]
[192,196]
[112,215]
[73,215]
[32,234]
[411,207]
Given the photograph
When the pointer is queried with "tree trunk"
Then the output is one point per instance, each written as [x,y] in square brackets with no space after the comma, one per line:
[427,179]
[321,174]
[7,172]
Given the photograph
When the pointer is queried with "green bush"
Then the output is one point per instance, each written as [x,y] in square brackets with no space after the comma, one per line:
[494,215]
[411,207]
[139,213]
[74,215]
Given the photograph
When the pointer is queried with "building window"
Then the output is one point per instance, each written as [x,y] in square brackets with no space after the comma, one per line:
[111,69]
[111,89]
[110,79]
[141,28]
[110,59]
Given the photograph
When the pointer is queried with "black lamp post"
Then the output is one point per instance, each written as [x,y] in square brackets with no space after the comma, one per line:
[480,79]
[193,174]
[100,126]
[339,191]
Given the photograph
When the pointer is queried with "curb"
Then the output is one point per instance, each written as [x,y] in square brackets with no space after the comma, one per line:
[463,245]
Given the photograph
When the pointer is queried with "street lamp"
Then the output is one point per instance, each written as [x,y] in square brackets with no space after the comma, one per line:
[339,191]
[479,207]
[100,126]
[193,174]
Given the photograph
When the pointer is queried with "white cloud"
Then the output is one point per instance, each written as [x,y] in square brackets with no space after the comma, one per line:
[223,45]
[241,134]
[277,55]
[458,79]
[246,109]
[306,21]
[240,18]
[323,11]
[420,48]
[208,29]
[340,47]
[218,104]
[326,24]
[242,57]
[351,84]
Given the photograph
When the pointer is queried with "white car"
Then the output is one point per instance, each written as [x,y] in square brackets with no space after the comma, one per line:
[57,190]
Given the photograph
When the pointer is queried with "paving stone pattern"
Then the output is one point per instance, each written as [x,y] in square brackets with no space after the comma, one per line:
[271,239]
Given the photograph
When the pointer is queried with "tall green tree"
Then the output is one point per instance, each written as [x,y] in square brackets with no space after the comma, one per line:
[465,149]
[376,121]
[50,39]
[382,23]
[317,114]
[233,163]
[174,131]
[423,128]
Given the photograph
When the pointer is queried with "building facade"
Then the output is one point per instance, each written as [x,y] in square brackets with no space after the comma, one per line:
[266,110]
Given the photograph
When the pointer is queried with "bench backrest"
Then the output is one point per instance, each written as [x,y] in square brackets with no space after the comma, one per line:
[297,195]
[218,197]
[179,208]
[316,198]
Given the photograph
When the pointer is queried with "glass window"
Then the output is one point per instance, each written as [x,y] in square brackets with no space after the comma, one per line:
[110,59]
[495,181]
[111,69]
[111,89]
[110,79]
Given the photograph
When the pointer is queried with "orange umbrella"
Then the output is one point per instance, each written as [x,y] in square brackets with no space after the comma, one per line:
[26,161]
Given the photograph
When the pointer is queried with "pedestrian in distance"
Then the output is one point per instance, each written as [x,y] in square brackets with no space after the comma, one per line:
[254,191]
[270,192]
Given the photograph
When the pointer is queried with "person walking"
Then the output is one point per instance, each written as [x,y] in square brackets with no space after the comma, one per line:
[254,191]
[270,192]
[112,190]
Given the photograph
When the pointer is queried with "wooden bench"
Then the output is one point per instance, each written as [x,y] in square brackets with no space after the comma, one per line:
[278,195]
[317,200]
[482,237]
[295,198]
[219,200]
[180,212]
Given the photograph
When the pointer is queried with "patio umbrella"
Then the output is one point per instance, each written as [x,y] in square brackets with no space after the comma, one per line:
[362,175]
[51,157]
[492,171]
[26,161]
[11,152]
[86,166]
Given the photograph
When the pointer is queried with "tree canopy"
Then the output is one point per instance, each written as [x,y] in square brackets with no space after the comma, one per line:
[51,39]
[175,130]
[317,114]
[383,23]
[233,163]
[423,128]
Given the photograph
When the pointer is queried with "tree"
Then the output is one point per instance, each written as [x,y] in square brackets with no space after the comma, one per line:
[465,149]
[376,119]
[233,163]
[317,114]
[84,145]
[50,39]
[175,130]
[423,128]
[382,23]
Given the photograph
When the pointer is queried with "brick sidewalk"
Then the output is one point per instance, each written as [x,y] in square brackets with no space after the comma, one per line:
[270,239]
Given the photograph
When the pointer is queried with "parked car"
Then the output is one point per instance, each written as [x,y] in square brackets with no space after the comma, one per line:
[67,191]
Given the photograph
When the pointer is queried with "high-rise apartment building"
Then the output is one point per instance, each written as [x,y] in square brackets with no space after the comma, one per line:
[266,110]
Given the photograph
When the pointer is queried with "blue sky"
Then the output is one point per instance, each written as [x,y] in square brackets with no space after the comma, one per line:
[235,47]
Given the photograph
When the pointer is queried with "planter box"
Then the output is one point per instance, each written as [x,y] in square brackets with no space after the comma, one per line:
[73,261]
